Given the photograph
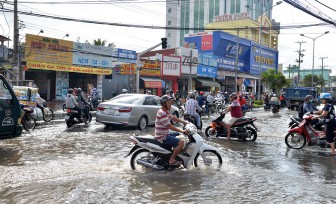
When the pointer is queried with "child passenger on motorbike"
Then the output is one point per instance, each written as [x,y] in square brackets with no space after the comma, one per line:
[328,115]
[236,113]
[163,125]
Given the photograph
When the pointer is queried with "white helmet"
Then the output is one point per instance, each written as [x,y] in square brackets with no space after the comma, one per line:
[124,91]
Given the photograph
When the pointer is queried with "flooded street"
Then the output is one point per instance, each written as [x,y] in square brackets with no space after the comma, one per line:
[87,165]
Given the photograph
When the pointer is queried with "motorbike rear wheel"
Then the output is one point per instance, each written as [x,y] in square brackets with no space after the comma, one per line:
[295,140]
[253,133]
[210,159]
[28,123]
[70,122]
[143,155]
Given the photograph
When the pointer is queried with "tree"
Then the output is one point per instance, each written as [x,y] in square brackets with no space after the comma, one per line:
[100,42]
[273,80]
[307,81]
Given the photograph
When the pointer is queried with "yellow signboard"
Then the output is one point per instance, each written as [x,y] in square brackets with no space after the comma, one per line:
[67,68]
[149,68]
[48,50]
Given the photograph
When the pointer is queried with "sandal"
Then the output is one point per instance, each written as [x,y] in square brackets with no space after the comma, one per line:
[175,163]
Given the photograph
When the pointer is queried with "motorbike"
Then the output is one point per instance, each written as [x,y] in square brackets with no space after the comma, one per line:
[72,117]
[193,120]
[249,105]
[27,120]
[179,105]
[267,106]
[149,153]
[243,129]
[275,108]
[219,104]
[295,121]
[298,136]
[47,113]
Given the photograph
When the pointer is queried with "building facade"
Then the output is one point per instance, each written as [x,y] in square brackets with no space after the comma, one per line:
[193,16]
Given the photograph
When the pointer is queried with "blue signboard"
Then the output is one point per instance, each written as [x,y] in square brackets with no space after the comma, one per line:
[206,71]
[126,55]
[268,59]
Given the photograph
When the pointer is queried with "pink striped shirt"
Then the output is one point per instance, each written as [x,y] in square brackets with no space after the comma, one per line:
[162,123]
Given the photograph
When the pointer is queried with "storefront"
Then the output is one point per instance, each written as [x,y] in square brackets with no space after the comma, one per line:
[155,85]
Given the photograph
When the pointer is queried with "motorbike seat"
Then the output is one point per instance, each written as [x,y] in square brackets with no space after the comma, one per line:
[151,139]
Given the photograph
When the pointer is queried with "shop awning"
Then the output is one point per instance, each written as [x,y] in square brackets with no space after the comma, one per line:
[153,82]
[209,82]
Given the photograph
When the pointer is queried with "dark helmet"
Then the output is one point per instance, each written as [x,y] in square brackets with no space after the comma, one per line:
[171,91]
[233,95]
[79,90]
[70,91]
[192,95]
[309,97]
[165,98]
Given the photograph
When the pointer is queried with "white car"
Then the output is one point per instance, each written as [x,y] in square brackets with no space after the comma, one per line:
[131,110]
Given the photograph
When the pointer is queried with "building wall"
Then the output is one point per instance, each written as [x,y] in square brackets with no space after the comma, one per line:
[198,13]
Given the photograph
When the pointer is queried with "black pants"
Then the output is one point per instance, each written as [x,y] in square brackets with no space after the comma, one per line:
[79,111]
[330,126]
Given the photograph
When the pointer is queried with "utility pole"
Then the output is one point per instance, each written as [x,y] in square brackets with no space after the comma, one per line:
[289,70]
[322,66]
[16,58]
[190,77]
[300,56]
[236,64]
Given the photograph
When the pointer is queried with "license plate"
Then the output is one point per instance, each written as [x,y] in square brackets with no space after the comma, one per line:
[109,111]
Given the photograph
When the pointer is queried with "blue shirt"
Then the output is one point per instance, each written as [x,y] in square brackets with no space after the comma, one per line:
[200,100]
[331,112]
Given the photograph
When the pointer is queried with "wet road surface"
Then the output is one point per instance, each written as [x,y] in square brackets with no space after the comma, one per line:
[86,165]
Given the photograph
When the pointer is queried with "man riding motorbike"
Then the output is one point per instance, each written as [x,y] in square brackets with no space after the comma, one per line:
[191,106]
[70,102]
[275,101]
[236,113]
[82,102]
[163,125]
[201,99]
[328,115]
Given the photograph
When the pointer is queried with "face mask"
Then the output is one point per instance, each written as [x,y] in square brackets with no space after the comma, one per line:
[310,100]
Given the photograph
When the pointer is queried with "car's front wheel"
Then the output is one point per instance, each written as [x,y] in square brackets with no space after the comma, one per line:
[143,122]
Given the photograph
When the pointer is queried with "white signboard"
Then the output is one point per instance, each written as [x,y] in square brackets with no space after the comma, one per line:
[171,66]
[189,56]
[92,55]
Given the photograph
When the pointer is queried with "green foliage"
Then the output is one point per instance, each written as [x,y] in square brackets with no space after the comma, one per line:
[273,80]
[100,42]
[307,81]
[258,102]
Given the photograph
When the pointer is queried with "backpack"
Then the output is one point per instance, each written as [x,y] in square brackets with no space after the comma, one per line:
[300,111]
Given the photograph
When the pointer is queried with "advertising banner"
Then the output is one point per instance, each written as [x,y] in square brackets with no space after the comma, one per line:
[153,84]
[62,85]
[189,56]
[149,68]
[86,54]
[171,66]
[126,55]
[260,61]
[67,68]
[48,50]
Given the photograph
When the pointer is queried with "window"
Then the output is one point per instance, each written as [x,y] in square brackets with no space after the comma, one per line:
[169,35]
[169,10]
[169,22]
[149,101]
[5,95]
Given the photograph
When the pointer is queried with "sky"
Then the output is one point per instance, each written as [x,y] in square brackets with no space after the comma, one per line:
[153,13]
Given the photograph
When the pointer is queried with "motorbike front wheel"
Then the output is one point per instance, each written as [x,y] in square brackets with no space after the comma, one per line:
[210,132]
[48,114]
[252,134]
[210,159]
[295,140]
[143,156]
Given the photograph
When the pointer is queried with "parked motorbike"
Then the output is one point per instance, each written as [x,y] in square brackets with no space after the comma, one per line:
[149,153]
[298,136]
[193,120]
[72,117]
[27,120]
[243,129]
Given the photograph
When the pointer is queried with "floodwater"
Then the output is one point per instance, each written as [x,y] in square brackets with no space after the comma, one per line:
[87,165]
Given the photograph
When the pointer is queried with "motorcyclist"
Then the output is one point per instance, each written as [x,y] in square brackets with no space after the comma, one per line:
[70,102]
[191,106]
[95,98]
[242,102]
[308,105]
[163,125]
[328,116]
[236,113]
[283,100]
[124,91]
[210,101]
[201,99]
[39,102]
[275,101]
[82,102]
[266,99]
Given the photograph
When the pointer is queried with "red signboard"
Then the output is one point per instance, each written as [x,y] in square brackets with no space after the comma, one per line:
[206,43]
[153,84]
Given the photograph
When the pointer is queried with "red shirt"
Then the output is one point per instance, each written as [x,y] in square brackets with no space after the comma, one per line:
[236,111]
[242,101]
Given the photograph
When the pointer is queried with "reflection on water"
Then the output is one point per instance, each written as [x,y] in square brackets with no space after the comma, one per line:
[87,165]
